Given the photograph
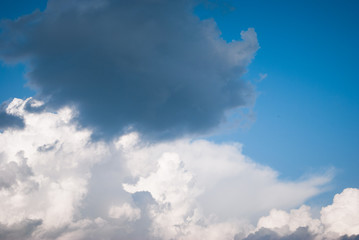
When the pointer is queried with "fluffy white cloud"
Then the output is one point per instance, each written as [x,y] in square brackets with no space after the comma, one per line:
[221,179]
[342,216]
[125,212]
[285,223]
[47,166]
[338,219]
[58,183]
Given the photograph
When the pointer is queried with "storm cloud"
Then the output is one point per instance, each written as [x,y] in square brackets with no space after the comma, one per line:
[148,65]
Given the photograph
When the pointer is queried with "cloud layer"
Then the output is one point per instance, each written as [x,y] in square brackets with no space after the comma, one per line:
[148,65]
[59,184]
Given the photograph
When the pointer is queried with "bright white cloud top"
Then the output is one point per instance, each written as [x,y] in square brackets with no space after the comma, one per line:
[57,183]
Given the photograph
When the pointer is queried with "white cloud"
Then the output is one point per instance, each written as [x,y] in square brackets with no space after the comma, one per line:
[285,223]
[71,187]
[58,180]
[338,219]
[342,216]
[223,180]
[125,211]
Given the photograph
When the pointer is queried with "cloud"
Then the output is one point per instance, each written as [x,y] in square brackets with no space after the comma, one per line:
[8,120]
[205,172]
[48,147]
[133,70]
[44,185]
[125,211]
[342,216]
[289,222]
[22,230]
[75,188]
[152,66]
[262,76]
[353,237]
[267,234]
[339,220]
[11,172]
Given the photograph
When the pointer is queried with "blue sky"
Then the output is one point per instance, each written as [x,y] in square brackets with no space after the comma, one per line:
[305,118]
[12,76]
[307,110]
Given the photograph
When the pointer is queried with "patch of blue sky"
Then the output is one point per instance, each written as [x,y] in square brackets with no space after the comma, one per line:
[13,82]
[307,111]
[12,77]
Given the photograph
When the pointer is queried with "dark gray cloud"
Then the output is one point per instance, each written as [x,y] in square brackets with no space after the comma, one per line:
[352,237]
[150,65]
[32,107]
[267,234]
[22,230]
[48,147]
[8,120]
[300,234]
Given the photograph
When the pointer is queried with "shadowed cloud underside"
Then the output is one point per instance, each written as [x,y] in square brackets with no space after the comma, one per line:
[152,66]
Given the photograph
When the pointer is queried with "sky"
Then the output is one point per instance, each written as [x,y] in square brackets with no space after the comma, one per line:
[307,110]
[179,120]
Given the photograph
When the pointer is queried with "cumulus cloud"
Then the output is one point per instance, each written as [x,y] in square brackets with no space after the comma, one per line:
[207,171]
[60,184]
[152,66]
[11,172]
[45,185]
[267,234]
[340,220]
[342,216]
